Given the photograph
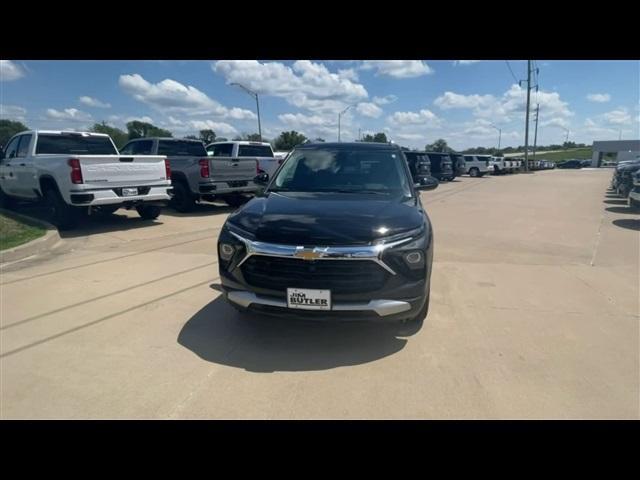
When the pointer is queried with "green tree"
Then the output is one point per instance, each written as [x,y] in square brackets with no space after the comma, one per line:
[253,137]
[440,145]
[137,129]
[237,138]
[221,139]
[379,137]
[288,140]
[319,140]
[8,128]
[191,137]
[207,136]
[118,136]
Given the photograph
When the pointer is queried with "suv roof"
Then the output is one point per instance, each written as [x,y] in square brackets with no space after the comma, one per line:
[64,132]
[168,138]
[241,142]
[350,146]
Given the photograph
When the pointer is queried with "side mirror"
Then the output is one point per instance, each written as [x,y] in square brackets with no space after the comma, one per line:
[427,183]
[261,179]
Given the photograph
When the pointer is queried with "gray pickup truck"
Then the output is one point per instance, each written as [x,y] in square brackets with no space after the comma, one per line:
[195,176]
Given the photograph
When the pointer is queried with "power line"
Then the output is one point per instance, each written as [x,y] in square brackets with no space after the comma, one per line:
[512,74]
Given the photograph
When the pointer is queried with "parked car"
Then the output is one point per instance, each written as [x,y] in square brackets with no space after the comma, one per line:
[634,194]
[419,165]
[622,181]
[457,164]
[586,163]
[569,164]
[196,176]
[260,151]
[76,172]
[498,165]
[441,165]
[477,165]
[339,233]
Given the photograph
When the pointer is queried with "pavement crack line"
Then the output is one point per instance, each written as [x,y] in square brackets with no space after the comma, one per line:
[101,297]
[104,261]
[598,236]
[107,317]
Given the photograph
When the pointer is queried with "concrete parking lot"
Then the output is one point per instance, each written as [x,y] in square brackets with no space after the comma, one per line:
[534,314]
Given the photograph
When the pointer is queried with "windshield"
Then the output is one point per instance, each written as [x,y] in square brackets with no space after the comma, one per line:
[341,170]
[177,148]
[255,151]
[70,144]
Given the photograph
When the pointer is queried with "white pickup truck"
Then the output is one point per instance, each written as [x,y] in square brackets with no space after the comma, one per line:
[261,151]
[76,172]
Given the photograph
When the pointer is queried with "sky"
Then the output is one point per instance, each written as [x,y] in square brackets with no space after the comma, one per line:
[415,102]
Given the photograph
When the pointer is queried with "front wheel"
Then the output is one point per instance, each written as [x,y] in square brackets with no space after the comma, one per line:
[5,200]
[474,172]
[182,199]
[148,212]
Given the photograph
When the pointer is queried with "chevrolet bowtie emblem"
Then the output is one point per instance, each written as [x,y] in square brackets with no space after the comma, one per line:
[307,254]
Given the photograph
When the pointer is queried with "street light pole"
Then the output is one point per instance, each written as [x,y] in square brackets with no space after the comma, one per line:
[535,136]
[339,116]
[499,134]
[254,95]
[526,121]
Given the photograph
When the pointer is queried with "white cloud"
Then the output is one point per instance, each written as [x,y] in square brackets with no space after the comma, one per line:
[93,102]
[398,68]
[10,71]
[13,112]
[464,62]
[384,100]
[174,97]
[368,109]
[599,97]
[305,84]
[69,114]
[411,136]
[620,116]
[423,117]
[454,100]
[555,122]
[300,119]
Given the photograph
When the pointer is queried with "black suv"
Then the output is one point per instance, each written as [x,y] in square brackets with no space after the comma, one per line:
[441,165]
[419,165]
[570,164]
[339,232]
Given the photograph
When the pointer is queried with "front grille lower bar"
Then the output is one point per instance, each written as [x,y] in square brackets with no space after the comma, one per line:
[371,253]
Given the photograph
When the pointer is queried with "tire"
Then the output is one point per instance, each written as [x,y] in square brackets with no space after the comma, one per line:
[6,201]
[61,214]
[148,212]
[473,172]
[182,199]
[234,200]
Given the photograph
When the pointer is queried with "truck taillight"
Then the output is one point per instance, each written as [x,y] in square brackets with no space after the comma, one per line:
[167,168]
[204,167]
[76,172]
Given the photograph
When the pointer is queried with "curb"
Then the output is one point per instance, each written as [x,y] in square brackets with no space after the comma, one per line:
[39,245]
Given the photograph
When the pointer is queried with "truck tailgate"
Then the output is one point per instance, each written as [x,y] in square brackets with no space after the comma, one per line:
[224,169]
[117,170]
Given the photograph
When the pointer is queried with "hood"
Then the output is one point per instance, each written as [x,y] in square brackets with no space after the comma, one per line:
[318,219]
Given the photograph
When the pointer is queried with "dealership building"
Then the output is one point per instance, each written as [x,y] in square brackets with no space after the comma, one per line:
[624,150]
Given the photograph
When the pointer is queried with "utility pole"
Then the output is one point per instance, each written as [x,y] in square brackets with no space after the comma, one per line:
[566,138]
[499,134]
[526,130]
[535,136]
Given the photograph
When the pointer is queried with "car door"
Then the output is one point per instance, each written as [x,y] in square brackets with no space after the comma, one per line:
[8,179]
[24,169]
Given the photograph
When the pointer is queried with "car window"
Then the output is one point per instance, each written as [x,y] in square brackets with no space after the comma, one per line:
[327,169]
[255,151]
[23,147]
[221,150]
[181,148]
[140,147]
[74,143]
[12,148]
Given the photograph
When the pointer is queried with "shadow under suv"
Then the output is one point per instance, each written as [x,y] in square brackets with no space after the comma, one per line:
[339,232]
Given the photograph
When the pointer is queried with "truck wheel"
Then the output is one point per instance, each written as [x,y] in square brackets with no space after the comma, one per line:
[61,214]
[474,172]
[234,200]
[182,199]
[148,212]
[5,200]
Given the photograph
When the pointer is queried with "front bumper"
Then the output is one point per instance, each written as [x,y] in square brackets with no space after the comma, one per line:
[219,188]
[372,310]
